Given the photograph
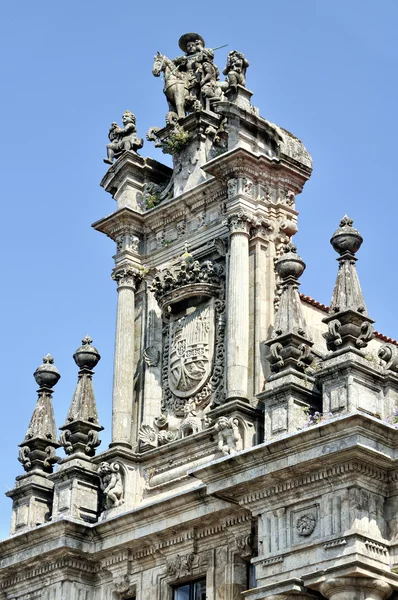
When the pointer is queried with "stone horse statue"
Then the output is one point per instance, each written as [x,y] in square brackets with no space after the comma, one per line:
[175,85]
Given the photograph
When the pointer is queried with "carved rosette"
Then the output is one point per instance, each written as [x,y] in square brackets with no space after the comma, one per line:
[127,277]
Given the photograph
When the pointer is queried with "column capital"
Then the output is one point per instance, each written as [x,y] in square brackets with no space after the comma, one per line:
[240,222]
[342,588]
[127,276]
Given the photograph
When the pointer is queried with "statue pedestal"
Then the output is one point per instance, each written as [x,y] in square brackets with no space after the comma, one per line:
[76,489]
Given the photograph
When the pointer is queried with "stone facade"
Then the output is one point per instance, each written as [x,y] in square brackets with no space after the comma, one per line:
[253,429]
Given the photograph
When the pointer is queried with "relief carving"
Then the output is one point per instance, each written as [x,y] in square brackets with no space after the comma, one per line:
[229,437]
[305,524]
[191,295]
[111,484]
[180,566]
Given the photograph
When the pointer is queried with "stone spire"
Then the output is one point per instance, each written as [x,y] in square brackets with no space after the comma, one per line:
[80,432]
[37,451]
[290,345]
[349,326]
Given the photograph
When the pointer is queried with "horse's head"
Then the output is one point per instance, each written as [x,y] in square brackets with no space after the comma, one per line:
[158,65]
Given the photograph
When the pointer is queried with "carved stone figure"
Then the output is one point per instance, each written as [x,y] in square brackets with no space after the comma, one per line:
[189,80]
[111,484]
[229,438]
[175,84]
[191,423]
[123,138]
[236,69]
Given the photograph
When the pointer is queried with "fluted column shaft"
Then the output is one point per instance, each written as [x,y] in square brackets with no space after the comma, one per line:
[123,374]
[238,309]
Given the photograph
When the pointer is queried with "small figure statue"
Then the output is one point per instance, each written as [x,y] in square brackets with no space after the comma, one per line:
[236,69]
[191,423]
[111,484]
[123,139]
[229,438]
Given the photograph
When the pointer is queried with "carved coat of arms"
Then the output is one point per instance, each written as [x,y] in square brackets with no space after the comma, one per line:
[191,350]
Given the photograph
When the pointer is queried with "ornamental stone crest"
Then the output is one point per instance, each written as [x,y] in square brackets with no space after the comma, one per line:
[191,296]
[191,350]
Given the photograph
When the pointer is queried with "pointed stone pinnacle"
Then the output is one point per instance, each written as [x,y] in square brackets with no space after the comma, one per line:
[290,345]
[37,451]
[80,432]
[349,327]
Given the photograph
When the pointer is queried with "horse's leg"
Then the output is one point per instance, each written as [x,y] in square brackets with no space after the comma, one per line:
[179,96]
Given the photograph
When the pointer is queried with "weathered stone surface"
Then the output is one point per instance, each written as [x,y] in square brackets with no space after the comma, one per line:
[123,139]
[79,434]
[272,475]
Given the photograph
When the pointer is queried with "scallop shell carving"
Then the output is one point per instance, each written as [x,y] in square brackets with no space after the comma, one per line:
[147,434]
[151,356]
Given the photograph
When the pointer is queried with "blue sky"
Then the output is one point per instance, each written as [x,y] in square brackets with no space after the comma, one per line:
[327,71]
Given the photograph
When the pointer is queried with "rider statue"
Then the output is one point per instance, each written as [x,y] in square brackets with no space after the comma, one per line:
[198,64]
[122,139]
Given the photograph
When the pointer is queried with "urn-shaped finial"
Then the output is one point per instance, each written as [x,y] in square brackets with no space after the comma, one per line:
[290,264]
[47,374]
[346,238]
[86,356]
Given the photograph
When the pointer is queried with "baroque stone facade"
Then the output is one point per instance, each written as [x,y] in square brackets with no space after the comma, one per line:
[253,429]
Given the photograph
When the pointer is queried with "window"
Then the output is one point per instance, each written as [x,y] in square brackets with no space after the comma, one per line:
[195,590]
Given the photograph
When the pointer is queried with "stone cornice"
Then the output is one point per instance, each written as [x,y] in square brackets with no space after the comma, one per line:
[137,169]
[324,474]
[239,162]
[45,567]
[352,437]
[125,220]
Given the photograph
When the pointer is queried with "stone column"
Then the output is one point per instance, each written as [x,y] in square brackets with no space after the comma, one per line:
[355,588]
[237,336]
[127,278]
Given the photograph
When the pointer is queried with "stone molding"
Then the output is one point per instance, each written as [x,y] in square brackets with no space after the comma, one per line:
[67,562]
[192,535]
[338,586]
[322,474]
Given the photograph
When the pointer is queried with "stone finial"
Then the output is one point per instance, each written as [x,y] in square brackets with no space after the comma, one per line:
[80,432]
[349,327]
[37,451]
[290,345]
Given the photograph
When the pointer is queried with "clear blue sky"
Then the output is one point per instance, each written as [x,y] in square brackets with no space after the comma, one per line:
[327,71]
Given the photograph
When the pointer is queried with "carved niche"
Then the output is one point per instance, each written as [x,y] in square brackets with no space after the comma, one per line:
[191,296]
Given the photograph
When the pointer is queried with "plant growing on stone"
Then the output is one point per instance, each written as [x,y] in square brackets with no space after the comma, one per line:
[393,419]
[316,418]
[175,141]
